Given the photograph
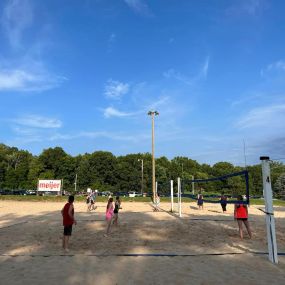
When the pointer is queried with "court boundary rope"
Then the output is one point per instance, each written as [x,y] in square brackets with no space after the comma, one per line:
[142,254]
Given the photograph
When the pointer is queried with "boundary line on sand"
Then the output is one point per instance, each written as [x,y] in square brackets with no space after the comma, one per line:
[141,254]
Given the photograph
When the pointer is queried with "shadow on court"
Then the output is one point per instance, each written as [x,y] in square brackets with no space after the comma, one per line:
[31,249]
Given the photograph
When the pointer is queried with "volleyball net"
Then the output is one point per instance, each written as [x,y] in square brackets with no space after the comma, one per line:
[232,186]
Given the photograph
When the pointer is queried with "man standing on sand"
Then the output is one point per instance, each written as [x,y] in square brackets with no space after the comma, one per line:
[68,220]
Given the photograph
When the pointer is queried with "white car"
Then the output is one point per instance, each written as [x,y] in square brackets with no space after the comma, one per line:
[133,194]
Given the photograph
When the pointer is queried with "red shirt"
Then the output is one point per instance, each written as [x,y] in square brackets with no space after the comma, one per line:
[241,212]
[67,220]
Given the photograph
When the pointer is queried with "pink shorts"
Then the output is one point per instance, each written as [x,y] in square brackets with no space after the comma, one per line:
[109,216]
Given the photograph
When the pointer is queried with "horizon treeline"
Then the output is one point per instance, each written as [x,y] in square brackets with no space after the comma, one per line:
[102,170]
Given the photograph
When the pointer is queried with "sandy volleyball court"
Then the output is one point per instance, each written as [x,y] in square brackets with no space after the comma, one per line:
[202,247]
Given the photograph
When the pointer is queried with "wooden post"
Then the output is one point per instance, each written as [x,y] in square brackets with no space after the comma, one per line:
[270,222]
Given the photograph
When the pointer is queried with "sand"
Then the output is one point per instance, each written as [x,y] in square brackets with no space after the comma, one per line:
[202,247]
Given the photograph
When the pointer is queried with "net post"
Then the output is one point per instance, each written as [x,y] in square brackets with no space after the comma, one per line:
[171,194]
[179,196]
[270,222]
[156,188]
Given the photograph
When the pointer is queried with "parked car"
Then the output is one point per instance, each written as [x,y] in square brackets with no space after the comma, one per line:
[19,192]
[133,194]
[3,192]
[106,193]
[121,194]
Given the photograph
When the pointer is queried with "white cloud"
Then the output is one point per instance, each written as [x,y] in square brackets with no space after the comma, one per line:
[101,134]
[251,8]
[112,112]
[35,121]
[139,6]
[275,66]
[247,98]
[16,18]
[23,72]
[24,79]
[205,67]
[112,38]
[116,89]
[171,73]
[201,74]
[164,100]
[270,117]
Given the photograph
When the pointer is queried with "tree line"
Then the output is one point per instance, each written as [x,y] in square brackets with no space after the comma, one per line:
[102,170]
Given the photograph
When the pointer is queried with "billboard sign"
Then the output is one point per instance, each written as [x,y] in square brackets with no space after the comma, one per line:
[49,185]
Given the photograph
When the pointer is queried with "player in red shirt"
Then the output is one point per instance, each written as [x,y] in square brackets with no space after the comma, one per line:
[241,215]
[68,220]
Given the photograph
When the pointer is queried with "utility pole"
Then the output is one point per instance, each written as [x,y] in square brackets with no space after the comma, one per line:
[153,114]
[75,183]
[142,176]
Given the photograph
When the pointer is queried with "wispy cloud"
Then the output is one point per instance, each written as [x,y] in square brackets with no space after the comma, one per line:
[112,38]
[112,112]
[161,101]
[205,67]
[139,6]
[111,41]
[172,73]
[201,74]
[278,66]
[275,146]
[116,136]
[251,8]
[24,72]
[266,117]
[116,89]
[248,98]
[16,18]
[35,121]
[25,79]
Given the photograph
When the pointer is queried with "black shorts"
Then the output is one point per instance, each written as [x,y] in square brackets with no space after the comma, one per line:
[242,219]
[224,207]
[67,230]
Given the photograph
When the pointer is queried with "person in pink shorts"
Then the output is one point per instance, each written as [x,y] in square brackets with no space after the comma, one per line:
[109,215]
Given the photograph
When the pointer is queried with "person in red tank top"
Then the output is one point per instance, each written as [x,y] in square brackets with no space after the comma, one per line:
[68,220]
[241,215]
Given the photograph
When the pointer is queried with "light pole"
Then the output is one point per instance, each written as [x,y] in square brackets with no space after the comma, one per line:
[75,183]
[142,175]
[153,114]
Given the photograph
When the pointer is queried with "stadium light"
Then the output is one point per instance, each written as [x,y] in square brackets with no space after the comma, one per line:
[153,114]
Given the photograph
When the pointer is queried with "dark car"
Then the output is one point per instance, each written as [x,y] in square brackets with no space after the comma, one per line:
[31,192]
[19,192]
[121,194]
[6,192]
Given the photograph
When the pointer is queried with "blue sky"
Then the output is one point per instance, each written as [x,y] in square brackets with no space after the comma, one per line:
[83,75]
